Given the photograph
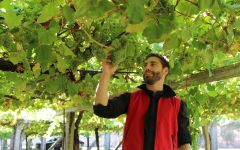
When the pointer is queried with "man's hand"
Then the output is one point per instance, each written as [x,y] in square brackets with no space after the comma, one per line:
[102,90]
[108,68]
[185,147]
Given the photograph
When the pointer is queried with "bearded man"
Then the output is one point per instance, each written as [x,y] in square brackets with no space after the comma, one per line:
[156,118]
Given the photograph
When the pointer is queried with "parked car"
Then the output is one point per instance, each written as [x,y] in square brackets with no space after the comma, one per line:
[58,146]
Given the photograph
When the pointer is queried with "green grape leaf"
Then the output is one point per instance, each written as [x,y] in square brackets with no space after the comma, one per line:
[19,83]
[216,9]
[211,87]
[43,56]
[187,8]
[54,27]
[57,85]
[131,28]
[68,13]
[72,89]
[236,24]
[62,64]
[205,4]
[12,20]
[17,57]
[171,43]
[136,12]
[65,51]
[6,4]
[230,36]
[130,49]
[91,8]
[199,44]
[49,11]
[52,86]
[155,30]
[213,93]
[185,34]
[47,36]
[36,69]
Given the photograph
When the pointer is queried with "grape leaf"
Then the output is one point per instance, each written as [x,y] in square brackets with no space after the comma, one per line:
[155,30]
[62,64]
[12,20]
[187,8]
[43,56]
[205,4]
[49,11]
[136,12]
[91,8]
[171,43]
[17,57]
[68,13]
[6,4]
[47,36]
[131,28]
[36,69]
[237,24]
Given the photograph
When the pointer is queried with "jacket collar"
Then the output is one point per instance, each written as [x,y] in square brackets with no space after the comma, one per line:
[167,91]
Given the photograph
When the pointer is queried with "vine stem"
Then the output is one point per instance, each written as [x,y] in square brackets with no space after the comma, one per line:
[176,4]
[184,14]
[93,40]
[222,26]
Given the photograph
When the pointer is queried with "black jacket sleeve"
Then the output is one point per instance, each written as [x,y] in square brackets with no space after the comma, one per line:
[184,136]
[116,106]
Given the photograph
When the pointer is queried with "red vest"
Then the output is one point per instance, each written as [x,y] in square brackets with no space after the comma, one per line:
[166,125]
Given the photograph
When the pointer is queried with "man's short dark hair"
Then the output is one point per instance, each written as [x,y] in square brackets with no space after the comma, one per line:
[163,60]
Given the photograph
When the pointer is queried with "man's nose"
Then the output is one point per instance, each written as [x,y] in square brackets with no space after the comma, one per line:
[147,69]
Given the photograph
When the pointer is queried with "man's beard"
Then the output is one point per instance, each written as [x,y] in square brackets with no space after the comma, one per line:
[155,76]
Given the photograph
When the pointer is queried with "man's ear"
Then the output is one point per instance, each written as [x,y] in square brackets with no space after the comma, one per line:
[165,71]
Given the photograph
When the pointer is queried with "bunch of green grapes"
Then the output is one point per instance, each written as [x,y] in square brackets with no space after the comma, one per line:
[119,53]
[79,36]
[6,40]
[124,51]
[85,55]
[162,7]
[28,42]
[70,42]
[99,52]
[107,31]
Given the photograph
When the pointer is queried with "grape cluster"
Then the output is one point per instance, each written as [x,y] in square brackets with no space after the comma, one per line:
[28,42]
[6,40]
[125,51]
[107,31]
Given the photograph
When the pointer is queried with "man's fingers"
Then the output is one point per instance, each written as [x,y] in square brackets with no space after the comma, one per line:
[107,62]
[109,56]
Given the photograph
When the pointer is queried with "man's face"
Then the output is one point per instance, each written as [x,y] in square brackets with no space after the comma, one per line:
[153,70]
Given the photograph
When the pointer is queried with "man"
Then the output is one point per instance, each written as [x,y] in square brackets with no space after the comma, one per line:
[156,118]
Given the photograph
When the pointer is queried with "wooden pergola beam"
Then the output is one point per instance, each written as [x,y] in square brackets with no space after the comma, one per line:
[73,109]
[221,73]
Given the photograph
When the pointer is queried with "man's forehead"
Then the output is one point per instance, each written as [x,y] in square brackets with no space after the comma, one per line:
[152,59]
